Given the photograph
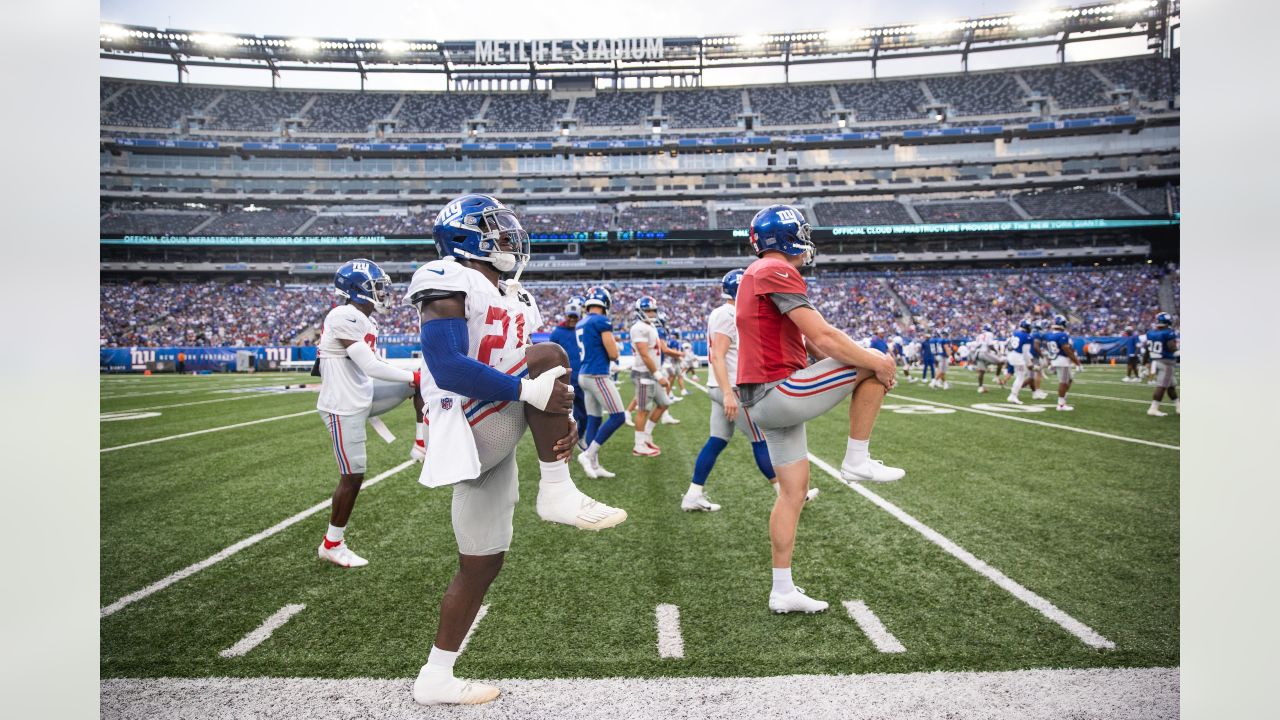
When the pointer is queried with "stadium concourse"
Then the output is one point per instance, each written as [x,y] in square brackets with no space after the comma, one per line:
[1026,566]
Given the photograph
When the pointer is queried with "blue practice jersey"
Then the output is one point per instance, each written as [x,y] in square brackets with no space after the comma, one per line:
[674,344]
[1160,340]
[937,346]
[1053,341]
[1131,345]
[590,348]
[1037,335]
[563,335]
[879,344]
[1018,341]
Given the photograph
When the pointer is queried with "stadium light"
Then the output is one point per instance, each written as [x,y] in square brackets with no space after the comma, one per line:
[217,41]
[113,32]
[395,47]
[751,41]
[305,45]
[840,37]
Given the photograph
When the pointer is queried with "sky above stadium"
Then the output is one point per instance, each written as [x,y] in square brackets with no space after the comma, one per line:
[524,20]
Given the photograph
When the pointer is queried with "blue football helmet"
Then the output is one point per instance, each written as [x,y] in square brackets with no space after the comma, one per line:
[574,307]
[1164,319]
[1060,321]
[479,227]
[1025,325]
[644,306]
[362,281]
[598,296]
[782,228]
[729,284]
[986,327]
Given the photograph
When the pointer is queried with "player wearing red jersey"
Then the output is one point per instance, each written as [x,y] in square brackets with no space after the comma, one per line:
[778,329]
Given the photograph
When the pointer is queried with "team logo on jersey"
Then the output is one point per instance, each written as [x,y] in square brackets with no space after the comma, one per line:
[446,403]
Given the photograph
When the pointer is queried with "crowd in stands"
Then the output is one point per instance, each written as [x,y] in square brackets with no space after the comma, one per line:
[160,105]
[1099,301]
[148,222]
[867,212]
[1073,204]
[663,217]
[966,211]
[258,221]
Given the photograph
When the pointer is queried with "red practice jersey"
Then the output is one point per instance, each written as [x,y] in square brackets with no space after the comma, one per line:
[770,346]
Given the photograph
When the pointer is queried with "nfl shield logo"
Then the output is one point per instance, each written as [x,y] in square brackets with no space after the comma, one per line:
[446,403]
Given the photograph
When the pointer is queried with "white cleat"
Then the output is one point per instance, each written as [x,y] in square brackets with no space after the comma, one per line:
[982,390]
[645,450]
[946,386]
[871,471]
[684,392]
[444,689]
[602,473]
[668,420]
[629,421]
[588,467]
[573,507]
[809,496]
[795,601]
[698,503]
[1013,399]
[418,453]
[1039,395]
[1156,413]
[1065,408]
[341,556]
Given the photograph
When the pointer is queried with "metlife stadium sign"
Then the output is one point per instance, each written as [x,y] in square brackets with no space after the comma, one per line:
[493,52]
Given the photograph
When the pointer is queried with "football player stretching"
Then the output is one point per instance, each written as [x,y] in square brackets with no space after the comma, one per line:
[1061,355]
[778,328]
[565,335]
[598,349]
[484,384]
[1162,342]
[346,359]
[646,372]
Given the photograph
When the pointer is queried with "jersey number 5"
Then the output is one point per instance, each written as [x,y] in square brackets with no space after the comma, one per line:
[496,340]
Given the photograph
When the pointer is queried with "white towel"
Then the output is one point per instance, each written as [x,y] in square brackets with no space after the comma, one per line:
[451,455]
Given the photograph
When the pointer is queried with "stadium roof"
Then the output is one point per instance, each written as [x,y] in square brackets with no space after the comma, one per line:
[645,56]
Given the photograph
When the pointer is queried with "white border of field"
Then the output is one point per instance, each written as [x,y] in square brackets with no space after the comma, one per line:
[206,430]
[1113,693]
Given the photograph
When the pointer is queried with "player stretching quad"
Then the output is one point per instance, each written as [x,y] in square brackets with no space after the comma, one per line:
[1058,349]
[782,391]
[941,349]
[927,366]
[1163,344]
[349,395]
[675,352]
[475,331]
[565,336]
[1019,358]
[1037,364]
[598,349]
[646,372]
[726,411]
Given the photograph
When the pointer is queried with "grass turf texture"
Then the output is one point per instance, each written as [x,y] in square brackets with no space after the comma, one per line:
[1089,523]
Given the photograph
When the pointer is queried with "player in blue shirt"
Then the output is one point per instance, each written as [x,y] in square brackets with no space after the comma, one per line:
[927,369]
[1061,354]
[564,335]
[1162,342]
[596,349]
[940,347]
[1130,344]
[1037,360]
[878,342]
[1019,357]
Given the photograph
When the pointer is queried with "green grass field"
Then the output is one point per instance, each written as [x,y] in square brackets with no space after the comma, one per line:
[1086,521]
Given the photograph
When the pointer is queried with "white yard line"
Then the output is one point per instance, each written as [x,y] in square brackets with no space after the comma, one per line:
[218,557]
[263,631]
[484,610]
[198,402]
[1055,426]
[871,626]
[187,390]
[1053,393]
[206,430]
[670,642]
[1086,634]
[1113,693]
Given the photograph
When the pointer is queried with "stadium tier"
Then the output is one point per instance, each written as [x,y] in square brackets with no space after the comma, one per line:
[1149,83]
[1100,302]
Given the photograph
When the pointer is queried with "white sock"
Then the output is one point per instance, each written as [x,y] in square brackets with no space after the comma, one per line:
[335,534]
[1155,405]
[441,661]
[782,580]
[593,450]
[856,452]
[1062,399]
[649,426]
[641,436]
[554,474]
[695,490]
[1177,404]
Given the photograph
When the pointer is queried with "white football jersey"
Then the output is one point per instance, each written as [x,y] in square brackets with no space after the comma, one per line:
[986,341]
[499,325]
[723,320]
[345,388]
[642,331]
